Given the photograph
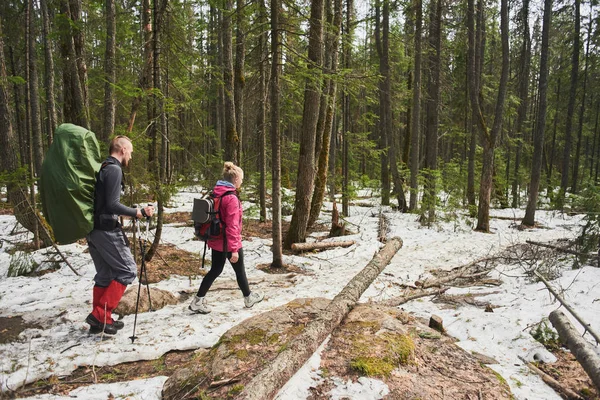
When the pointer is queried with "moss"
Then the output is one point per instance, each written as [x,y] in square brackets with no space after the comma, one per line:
[379,355]
[256,336]
[499,377]
[273,339]
[372,366]
[362,325]
[295,330]
[429,335]
[241,354]
[586,392]
[235,390]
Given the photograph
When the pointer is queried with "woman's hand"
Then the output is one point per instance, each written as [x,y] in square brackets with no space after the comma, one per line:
[235,256]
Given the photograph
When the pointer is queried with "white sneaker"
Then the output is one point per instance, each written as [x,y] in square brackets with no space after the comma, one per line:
[198,305]
[253,298]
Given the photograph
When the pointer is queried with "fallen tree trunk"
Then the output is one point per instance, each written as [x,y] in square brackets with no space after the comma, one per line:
[553,383]
[417,294]
[581,348]
[457,273]
[558,297]
[268,381]
[298,247]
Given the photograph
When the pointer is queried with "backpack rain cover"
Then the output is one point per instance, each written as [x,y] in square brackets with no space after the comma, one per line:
[67,182]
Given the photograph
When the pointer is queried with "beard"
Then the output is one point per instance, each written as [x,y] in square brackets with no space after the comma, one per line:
[126,163]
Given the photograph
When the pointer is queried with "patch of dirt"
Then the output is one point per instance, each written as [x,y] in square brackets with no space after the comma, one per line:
[569,373]
[285,269]
[414,361]
[180,217]
[84,375]
[6,209]
[11,327]
[170,260]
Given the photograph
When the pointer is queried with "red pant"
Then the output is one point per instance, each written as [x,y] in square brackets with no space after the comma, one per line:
[107,298]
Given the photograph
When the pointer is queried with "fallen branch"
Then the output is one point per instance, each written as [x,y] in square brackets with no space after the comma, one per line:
[558,297]
[583,351]
[562,249]
[553,383]
[382,227]
[268,381]
[299,247]
[457,273]
[223,382]
[396,301]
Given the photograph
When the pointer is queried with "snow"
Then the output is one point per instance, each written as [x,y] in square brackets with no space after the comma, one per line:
[60,301]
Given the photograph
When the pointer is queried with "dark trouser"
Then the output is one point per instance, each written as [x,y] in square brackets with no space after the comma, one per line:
[217,264]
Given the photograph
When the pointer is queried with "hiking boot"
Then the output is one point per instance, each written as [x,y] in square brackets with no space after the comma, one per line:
[97,326]
[118,324]
[198,305]
[253,298]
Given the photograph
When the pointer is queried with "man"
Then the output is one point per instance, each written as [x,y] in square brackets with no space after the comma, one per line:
[109,247]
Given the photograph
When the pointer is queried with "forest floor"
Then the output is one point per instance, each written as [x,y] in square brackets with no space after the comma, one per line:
[44,342]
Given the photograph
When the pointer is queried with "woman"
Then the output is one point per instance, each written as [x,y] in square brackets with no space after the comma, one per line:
[230,212]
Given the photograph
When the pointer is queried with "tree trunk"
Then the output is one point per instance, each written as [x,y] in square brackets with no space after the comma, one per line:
[523,93]
[109,71]
[416,109]
[583,351]
[299,247]
[49,73]
[145,77]
[266,383]
[564,180]
[262,113]
[74,109]
[15,188]
[79,47]
[32,85]
[489,142]
[306,162]
[240,80]
[581,112]
[433,100]
[158,165]
[346,118]
[323,161]
[275,137]
[231,136]
[538,139]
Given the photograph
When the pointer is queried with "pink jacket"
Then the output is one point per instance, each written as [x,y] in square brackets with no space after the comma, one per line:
[230,212]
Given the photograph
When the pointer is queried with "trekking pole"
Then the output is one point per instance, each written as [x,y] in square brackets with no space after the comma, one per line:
[144,269]
[137,303]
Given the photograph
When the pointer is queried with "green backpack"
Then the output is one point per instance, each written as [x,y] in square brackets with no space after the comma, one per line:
[67,182]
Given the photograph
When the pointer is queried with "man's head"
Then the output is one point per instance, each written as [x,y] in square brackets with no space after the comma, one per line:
[121,149]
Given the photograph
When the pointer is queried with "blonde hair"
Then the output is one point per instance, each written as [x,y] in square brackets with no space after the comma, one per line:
[117,144]
[231,171]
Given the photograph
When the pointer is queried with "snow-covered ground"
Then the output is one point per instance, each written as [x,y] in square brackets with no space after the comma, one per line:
[60,301]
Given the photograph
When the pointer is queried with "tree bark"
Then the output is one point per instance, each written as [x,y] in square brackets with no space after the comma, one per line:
[564,180]
[433,100]
[49,73]
[581,112]
[538,139]
[306,162]
[240,79]
[32,85]
[231,136]
[523,93]
[109,71]
[299,247]
[416,109]
[489,140]
[323,156]
[74,109]
[266,383]
[583,351]
[275,137]
[262,113]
